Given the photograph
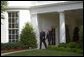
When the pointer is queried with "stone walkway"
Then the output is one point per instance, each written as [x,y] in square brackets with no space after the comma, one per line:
[17,51]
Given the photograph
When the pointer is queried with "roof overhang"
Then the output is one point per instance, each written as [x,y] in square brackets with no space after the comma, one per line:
[56,4]
[40,6]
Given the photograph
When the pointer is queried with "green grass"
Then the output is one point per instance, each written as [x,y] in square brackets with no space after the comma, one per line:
[46,52]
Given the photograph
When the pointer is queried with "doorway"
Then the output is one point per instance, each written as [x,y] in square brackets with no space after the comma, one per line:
[49,20]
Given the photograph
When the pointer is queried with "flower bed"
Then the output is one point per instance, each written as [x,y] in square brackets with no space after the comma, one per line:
[5,49]
[18,48]
[12,46]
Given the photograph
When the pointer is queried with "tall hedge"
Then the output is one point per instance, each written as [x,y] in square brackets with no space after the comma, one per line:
[28,36]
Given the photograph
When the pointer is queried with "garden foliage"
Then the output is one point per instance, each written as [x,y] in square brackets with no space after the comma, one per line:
[15,45]
[28,36]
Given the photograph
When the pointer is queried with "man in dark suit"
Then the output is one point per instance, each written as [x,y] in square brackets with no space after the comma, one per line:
[42,39]
[53,36]
[49,36]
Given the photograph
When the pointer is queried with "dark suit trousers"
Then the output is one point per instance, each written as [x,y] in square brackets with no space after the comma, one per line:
[43,43]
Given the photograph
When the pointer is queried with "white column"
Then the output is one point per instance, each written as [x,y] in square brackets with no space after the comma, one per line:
[34,21]
[62,27]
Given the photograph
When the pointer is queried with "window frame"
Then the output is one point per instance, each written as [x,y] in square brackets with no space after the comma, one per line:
[14,16]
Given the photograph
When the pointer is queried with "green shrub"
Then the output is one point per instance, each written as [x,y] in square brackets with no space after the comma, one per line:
[67,49]
[51,47]
[73,49]
[2,46]
[58,48]
[5,45]
[12,45]
[62,45]
[28,36]
[78,46]
[72,45]
[81,36]
[79,51]
[63,49]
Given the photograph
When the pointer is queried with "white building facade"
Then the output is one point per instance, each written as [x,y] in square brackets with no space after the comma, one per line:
[42,15]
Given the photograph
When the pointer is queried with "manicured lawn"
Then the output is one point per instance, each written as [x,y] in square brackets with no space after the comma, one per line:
[46,52]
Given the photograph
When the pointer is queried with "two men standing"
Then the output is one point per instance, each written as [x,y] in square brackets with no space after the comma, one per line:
[50,36]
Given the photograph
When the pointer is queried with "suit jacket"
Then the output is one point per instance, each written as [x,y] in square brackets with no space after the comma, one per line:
[49,35]
[42,35]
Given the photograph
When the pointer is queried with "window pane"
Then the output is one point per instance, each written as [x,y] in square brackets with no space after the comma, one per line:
[9,20]
[17,31]
[9,25]
[16,36]
[13,20]
[17,21]
[9,36]
[12,14]
[16,25]
[12,25]
[13,31]
[9,40]
[9,14]
[16,14]
[9,31]
[13,37]
[13,40]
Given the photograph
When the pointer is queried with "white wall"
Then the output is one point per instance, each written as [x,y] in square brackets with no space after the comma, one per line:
[24,17]
[4,29]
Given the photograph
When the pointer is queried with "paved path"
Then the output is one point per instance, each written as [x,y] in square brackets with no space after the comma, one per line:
[17,51]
